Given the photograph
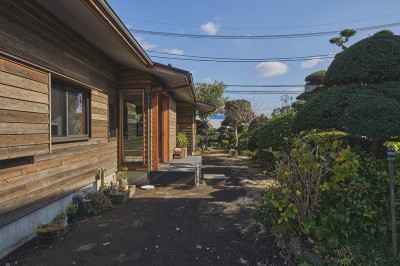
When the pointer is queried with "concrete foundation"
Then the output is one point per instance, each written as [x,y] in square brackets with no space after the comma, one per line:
[15,234]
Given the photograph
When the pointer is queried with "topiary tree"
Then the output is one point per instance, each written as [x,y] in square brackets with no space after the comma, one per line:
[373,60]
[238,111]
[344,37]
[361,92]
[315,78]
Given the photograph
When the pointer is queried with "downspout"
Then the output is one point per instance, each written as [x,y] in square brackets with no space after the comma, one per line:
[148,138]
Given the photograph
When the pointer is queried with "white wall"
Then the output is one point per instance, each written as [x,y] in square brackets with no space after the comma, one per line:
[15,234]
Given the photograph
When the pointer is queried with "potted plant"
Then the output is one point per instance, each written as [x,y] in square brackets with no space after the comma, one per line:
[62,218]
[72,213]
[47,233]
[182,142]
[121,175]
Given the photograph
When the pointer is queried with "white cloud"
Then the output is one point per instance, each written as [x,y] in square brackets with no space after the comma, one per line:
[174,51]
[312,62]
[210,28]
[271,69]
[145,44]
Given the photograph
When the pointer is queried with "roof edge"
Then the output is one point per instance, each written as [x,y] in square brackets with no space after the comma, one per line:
[109,17]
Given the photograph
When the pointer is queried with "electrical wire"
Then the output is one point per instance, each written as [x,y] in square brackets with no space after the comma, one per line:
[262,86]
[263,92]
[237,61]
[307,57]
[261,37]
[262,28]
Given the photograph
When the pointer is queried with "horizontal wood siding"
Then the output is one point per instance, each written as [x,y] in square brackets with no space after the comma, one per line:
[24,111]
[172,126]
[99,115]
[29,31]
[184,120]
[52,176]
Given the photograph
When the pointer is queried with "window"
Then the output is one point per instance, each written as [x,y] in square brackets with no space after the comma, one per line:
[112,120]
[132,126]
[69,112]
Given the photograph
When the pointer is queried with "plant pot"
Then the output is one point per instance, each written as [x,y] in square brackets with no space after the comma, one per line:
[72,218]
[45,240]
[85,207]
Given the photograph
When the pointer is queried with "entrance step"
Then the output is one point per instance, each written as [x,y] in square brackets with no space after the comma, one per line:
[215,179]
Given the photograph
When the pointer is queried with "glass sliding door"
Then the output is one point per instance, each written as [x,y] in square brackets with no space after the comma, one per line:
[132,127]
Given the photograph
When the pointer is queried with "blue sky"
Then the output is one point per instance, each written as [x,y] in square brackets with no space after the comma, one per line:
[250,18]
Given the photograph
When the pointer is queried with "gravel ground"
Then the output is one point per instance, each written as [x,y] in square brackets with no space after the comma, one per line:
[173,225]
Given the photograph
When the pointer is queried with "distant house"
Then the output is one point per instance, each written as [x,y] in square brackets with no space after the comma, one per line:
[78,95]
[216,120]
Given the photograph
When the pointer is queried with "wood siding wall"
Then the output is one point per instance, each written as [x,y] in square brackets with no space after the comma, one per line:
[31,34]
[29,31]
[184,120]
[24,111]
[172,126]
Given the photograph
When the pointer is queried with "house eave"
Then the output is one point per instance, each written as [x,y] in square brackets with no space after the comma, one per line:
[95,21]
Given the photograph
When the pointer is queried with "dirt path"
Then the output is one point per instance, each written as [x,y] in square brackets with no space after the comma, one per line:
[175,225]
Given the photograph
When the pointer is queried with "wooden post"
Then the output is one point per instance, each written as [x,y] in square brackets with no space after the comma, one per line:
[391,155]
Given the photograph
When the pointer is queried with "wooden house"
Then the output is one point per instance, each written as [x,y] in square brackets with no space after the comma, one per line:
[78,94]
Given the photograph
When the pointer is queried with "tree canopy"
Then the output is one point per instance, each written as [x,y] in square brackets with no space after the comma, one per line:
[211,94]
[315,78]
[373,60]
[359,110]
[361,92]
[238,111]
[344,37]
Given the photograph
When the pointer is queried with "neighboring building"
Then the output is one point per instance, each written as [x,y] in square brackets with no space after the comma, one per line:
[216,120]
[78,95]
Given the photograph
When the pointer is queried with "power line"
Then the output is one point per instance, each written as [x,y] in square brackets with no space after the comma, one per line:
[263,37]
[262,28]
[262,86]
[307,57]
[263,92]
[239,61]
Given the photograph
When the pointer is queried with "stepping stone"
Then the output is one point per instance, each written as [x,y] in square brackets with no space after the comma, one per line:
[215,179]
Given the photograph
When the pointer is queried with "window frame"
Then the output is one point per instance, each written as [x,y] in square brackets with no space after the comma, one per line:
[113,128]
[65,88]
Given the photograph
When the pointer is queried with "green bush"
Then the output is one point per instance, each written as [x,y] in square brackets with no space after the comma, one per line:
[335,198]
[182,140]
[267,159]
[100,202]
[233,153]
[316,77]
[247,153]
[224,143]
[213,138]
[276,133]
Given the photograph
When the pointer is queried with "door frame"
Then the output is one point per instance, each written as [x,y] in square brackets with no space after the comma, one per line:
[129,165]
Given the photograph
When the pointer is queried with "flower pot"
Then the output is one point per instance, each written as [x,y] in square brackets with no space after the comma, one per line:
[72,218]
[45,239]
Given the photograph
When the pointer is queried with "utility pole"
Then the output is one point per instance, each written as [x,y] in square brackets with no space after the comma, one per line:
[285,101]
[390,157]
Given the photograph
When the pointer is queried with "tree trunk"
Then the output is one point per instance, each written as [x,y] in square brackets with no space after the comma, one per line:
[206,137]
[236,135]
[376,144]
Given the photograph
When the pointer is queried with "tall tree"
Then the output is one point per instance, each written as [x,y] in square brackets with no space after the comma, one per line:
[239,111]
[362,96]
[211,94]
